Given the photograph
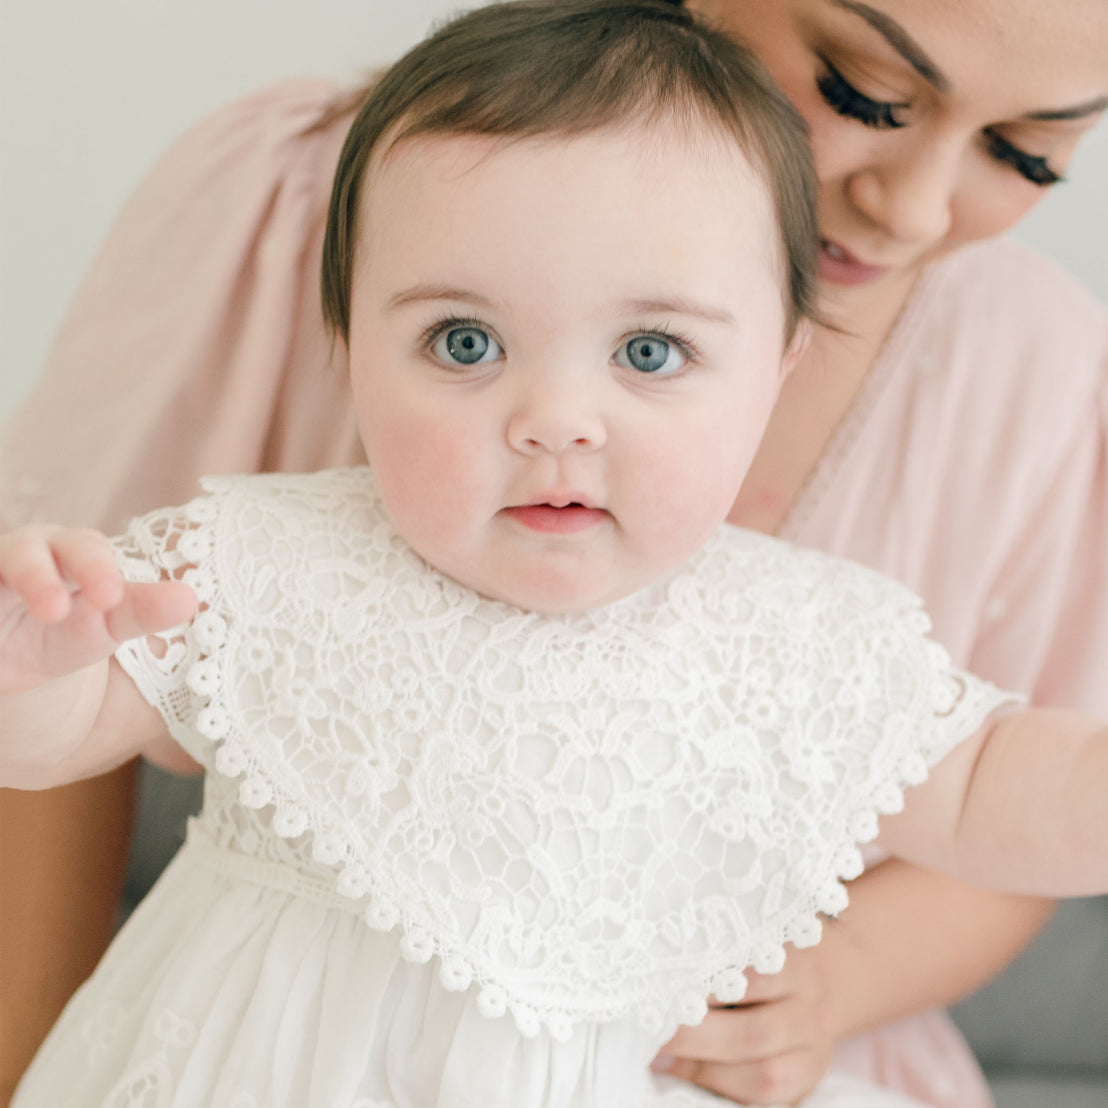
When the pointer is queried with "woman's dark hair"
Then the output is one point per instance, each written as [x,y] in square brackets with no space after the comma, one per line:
[564,67]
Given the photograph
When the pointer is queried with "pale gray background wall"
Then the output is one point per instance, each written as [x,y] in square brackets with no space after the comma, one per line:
[90,92]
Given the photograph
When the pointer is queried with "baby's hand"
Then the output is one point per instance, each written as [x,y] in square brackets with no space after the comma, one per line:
[65,606]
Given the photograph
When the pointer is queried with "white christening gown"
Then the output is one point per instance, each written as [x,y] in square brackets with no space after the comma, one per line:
[454,854]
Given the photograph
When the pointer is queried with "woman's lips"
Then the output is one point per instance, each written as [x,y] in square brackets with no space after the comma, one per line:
[549,520]
[840,267]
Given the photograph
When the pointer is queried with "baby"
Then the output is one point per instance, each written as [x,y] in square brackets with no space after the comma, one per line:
[516,752]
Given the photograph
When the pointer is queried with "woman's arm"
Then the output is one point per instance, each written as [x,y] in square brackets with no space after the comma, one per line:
[63,856]
[911,939]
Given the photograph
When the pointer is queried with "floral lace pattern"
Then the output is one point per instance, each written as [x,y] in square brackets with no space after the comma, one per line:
[591,817]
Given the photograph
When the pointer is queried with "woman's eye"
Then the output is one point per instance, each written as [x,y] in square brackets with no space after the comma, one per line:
[465,345]
[651,354]
[842,97]
[1036,169]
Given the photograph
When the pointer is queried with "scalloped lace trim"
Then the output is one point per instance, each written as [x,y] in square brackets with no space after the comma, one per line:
[587,818]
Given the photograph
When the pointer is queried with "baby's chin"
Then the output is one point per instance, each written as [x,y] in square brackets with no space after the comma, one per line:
[556,602]
[558,575]
[551,593]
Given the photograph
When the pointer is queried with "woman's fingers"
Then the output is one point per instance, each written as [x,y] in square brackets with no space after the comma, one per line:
[766,1051]
[782,1079]
[746,1033]
[770,986]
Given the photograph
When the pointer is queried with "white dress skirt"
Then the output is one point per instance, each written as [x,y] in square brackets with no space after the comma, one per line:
[456,855]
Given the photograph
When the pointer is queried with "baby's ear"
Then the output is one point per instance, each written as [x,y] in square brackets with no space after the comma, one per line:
[796,346]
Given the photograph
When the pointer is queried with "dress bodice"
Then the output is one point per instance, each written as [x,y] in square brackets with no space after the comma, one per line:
[589,817]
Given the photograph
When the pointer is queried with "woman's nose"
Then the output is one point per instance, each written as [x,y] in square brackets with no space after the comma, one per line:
[555,416]
[909,198]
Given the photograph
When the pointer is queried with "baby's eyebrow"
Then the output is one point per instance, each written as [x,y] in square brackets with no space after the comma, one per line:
[662,305]
[678,305]
[423,292]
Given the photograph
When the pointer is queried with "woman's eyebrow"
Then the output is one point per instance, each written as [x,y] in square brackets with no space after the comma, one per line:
[911,51]
[899,39]
[1078,111]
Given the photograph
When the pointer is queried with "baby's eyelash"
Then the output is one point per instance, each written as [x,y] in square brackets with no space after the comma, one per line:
[448,323]
[674,337]
[842,97]
[1036,169]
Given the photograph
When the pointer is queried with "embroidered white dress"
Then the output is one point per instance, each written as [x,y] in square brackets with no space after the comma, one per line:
[453,853]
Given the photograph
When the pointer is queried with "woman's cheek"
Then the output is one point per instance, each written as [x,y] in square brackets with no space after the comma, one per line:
[991,206]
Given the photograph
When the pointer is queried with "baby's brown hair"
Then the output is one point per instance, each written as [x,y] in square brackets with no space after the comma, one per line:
[564,67]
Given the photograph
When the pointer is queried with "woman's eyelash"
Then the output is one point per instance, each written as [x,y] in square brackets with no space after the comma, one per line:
[1036,169]
[842,97]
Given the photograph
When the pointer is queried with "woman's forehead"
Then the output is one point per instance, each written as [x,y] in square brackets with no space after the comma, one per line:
[1055,52]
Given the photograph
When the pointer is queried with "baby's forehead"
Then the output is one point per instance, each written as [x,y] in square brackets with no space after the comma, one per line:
[600,217]
[669,131]
[667,161]
[664,146]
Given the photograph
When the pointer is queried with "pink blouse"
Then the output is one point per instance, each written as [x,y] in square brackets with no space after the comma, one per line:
[973,465]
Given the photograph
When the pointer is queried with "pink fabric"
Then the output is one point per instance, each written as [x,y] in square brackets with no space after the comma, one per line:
[973,467]
[924,1056]
[196,342]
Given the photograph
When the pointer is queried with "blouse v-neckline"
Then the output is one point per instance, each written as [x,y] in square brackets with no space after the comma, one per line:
[843,439]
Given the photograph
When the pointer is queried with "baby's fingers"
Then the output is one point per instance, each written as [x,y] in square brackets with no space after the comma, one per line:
[146,609]
[45,566]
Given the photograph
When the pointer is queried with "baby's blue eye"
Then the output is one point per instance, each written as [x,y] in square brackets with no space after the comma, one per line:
[466,346]
[650,354]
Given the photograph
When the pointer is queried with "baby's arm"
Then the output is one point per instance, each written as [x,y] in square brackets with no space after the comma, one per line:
[67,710]
[1020,806]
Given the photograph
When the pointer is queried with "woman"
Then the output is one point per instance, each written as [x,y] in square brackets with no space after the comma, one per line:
[928,438]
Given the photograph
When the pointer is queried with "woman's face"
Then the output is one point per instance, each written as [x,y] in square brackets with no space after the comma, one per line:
[934,122]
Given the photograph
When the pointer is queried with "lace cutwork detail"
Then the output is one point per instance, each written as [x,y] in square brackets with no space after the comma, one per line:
[150,1081]
[589,817]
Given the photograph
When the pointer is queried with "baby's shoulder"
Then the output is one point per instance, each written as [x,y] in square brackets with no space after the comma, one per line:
[243,522]
[841,641]
[783,581]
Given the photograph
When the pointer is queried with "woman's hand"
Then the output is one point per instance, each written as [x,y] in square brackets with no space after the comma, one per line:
[911,940]
[773,1048]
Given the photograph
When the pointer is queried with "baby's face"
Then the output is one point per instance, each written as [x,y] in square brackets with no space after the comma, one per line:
[563,353]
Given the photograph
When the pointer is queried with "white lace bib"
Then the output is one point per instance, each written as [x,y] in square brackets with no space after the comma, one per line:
[588,817]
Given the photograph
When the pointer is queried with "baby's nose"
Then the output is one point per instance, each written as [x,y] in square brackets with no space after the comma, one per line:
[554,418]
